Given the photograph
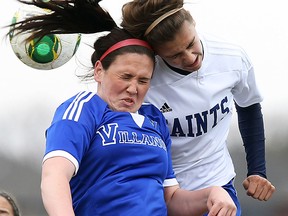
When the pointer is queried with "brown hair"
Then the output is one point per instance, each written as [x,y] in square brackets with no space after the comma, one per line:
[138,15]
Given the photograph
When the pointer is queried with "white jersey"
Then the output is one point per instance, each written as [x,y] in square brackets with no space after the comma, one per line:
[198,109]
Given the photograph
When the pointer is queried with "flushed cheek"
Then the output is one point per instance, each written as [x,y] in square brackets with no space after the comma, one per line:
[115,91]
[115,103]
[112,98]
[141,95]
[143,92]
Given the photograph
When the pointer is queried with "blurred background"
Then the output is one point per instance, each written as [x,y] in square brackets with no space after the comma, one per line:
[29,97]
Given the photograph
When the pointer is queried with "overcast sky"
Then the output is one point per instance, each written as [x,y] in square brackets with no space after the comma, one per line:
[259,26]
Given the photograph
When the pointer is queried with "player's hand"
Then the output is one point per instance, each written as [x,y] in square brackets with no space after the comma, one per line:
[220,203]
[258,187]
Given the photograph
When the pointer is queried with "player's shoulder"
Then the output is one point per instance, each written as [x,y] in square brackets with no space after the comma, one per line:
[213,38]
[154,114]
[81,104]
[78,98]
[220,46]
[217,42]
[148,108]
[148,105]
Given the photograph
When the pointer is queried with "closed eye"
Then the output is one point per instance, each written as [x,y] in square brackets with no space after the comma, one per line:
[126,77]
[144,81]
[191,45]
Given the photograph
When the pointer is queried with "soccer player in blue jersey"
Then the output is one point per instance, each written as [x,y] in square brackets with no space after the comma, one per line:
[198,79]
[107,153]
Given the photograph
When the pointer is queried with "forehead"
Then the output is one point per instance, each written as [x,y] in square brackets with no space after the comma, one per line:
[181,41]
[5,205]
[133,63]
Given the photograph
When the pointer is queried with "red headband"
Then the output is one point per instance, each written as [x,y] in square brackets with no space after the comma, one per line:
[127,42]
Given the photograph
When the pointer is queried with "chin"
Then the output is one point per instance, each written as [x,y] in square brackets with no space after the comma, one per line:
[126,109]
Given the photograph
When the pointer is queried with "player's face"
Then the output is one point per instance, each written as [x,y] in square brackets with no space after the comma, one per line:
[5,207]
[185,51]
[125,83]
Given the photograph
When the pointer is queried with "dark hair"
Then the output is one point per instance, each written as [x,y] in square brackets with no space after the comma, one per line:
[65,17]
[11,201]
[138,15]
[112,38]
[78,16]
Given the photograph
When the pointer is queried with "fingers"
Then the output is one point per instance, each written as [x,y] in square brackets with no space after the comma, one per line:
[218,210]
[220,203]
[245,184]
[258,187]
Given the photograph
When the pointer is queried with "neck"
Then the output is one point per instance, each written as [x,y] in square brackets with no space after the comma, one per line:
[178,70]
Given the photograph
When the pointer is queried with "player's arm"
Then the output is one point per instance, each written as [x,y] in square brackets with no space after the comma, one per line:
[251,126]
[55,188]
[213,199]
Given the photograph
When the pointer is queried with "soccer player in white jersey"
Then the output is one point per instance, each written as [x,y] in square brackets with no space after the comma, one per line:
[107,153]
[197,80]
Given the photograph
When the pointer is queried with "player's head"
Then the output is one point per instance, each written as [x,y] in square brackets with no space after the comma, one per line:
[8,205]
[123,70]
[123,64]
[168,28]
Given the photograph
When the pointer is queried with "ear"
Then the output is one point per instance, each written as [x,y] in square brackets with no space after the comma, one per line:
[98,71]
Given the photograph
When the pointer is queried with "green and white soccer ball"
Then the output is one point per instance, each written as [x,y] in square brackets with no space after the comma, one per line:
[51,51]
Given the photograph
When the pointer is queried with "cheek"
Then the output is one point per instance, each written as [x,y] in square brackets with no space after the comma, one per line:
[110,83]
[114,87]
[174,62]
[142,91]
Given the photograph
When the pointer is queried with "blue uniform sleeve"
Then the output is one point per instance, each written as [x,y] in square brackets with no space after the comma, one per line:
[251,126]
[74,125]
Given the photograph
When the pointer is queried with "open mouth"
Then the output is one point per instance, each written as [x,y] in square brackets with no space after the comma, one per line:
[128,101]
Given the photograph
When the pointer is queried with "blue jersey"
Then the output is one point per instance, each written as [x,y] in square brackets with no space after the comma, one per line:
[122,160]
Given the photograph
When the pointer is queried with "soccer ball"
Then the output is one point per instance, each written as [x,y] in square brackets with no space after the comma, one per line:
[51,51]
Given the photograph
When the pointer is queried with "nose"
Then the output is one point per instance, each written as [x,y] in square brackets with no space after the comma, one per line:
[189,57]
[132,88]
